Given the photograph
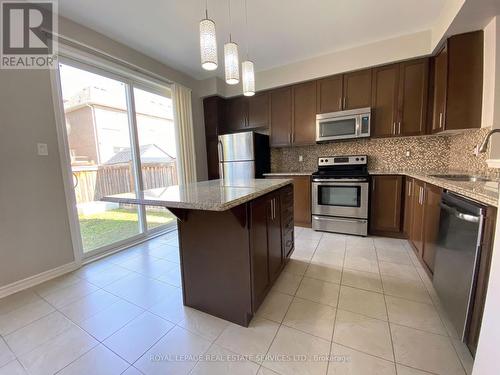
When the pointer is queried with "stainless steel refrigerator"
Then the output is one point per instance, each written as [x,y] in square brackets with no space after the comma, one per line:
[243,155]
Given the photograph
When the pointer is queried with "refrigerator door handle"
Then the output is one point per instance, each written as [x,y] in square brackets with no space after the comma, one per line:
[221,155]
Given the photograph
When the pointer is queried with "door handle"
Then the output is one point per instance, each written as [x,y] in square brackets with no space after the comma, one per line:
[460,215]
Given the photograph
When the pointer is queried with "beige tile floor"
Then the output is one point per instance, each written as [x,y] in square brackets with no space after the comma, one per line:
[343,305]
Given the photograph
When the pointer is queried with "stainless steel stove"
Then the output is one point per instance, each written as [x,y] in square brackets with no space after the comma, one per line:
[340,190]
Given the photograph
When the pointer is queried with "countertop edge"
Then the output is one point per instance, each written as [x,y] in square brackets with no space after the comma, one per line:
[201,206]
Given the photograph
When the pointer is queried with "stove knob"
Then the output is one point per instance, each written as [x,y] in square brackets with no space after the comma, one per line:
[357,159]
[326,160]
[321,160]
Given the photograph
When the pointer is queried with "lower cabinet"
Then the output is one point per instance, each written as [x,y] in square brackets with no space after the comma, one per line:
[301,199]
[432,212]
[269,231]
[386,210]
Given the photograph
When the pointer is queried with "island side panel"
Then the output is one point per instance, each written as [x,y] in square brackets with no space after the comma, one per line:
[215,263]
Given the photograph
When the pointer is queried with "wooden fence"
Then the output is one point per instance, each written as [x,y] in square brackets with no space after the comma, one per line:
[93,183]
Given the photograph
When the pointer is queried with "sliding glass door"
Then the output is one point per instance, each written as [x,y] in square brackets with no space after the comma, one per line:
[121,138]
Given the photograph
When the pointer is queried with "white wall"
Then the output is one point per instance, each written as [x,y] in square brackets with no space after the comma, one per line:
[34,228]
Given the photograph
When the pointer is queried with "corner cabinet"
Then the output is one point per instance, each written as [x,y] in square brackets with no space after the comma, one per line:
[385,206]
[271,239]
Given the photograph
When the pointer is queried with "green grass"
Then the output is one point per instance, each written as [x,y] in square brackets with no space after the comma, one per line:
[105,228]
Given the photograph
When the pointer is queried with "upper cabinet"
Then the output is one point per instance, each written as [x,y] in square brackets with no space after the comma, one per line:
[413,96]
[357,89]
[385,101]
[258,111]
[281,117]
[246,113]
[399,99]
[458,83]
[330,94]
[293,115]
[304,113]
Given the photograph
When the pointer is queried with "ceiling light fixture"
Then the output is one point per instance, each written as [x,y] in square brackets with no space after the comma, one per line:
[247,68]
[231,60]
[208,42]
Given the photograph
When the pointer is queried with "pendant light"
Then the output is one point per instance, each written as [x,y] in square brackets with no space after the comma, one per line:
[208,42]
[231,60]
[247,68]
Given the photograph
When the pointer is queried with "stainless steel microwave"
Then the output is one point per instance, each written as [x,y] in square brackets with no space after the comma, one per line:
[354,123]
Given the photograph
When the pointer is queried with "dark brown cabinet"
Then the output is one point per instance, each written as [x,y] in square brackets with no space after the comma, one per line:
[413,97]
[399,99]
[236,115]
[304,113]
[330,94]
[385,101]
[214,112]
[432,211]
[357,87]
[301,199]
[258,111]
[386,198]
[281,117]
[266,237]
[417,227]
[408,204]
[458,83]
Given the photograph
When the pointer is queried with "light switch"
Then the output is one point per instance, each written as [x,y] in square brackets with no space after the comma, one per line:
[408,153]
[301,158]
[43,149]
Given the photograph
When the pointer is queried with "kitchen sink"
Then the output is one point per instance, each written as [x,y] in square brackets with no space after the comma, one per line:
[462,177]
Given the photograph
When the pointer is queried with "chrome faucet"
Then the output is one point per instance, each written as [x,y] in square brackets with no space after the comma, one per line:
[484,145]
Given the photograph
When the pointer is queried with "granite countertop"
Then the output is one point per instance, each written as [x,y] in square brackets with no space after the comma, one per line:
[213,195]
[486,192]
[288,174]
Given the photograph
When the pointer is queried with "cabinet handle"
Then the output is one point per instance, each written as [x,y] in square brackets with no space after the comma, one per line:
[394,127]
[399,127]
[409,188]
[440,119]
[345,103]
[373,185]
[340,103]
[290,138]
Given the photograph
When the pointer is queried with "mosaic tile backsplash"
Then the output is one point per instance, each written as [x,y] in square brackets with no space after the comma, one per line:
[439,153]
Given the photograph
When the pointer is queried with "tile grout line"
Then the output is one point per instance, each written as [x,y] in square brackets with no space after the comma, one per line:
[336,309]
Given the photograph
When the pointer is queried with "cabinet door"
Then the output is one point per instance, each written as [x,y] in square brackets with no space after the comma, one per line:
[329,94]
[432,210]
[281,117]
[413,89]
[274,238]
[417,228]
[258,111]
[213,110]
[386,195]
[236,114]
[304,113]
[385,101]
[357,88]
[213,158]
[408,198]
[258,236]
[440,82]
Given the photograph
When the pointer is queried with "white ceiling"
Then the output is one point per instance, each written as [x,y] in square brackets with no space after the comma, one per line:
[281,31]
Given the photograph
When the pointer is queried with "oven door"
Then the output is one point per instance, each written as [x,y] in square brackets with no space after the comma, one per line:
[343,198]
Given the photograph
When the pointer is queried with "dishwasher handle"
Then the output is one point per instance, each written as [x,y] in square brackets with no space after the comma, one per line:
[460,215]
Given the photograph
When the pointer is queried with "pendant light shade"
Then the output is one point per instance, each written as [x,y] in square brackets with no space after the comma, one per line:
[231,63]
[248,78]
[208,44]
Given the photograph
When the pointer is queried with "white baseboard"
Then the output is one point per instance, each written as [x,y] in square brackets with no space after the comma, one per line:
[17,286]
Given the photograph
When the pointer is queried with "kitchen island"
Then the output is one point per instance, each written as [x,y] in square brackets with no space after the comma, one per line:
[234,240]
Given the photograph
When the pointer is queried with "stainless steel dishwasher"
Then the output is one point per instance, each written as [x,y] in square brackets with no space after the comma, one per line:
[457,254]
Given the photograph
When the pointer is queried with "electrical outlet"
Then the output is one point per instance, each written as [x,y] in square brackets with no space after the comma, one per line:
[301,158]
[408,153]
[42,149]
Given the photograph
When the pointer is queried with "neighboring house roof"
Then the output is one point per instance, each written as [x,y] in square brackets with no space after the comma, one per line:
[149,154]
